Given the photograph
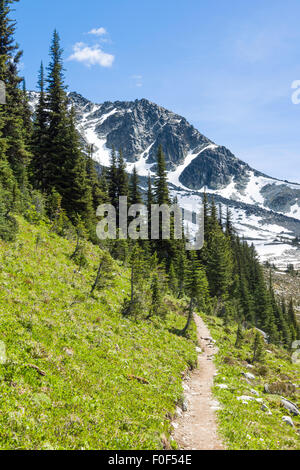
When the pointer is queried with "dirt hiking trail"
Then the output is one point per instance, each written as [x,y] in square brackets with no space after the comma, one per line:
[196,429]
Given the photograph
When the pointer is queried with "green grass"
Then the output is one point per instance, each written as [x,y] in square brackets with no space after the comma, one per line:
[247,427]
[87,350]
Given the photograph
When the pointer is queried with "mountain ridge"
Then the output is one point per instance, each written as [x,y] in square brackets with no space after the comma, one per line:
[195,163]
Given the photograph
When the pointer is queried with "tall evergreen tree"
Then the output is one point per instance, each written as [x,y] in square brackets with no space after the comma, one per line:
[112,176]
[135,196]
[99,192]
[12,113]
[27,115]
[161,184]
[38,167]
[294,324]
[75,188]
[58,119]
[103,184]
[150,201]
[196,282]
[229,230]
[219,268]
[122,178]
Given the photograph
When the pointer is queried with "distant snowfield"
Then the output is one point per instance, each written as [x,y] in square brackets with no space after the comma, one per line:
[252,192]
[265,237]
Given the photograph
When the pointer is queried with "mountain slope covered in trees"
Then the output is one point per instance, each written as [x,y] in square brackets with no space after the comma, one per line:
[265,209]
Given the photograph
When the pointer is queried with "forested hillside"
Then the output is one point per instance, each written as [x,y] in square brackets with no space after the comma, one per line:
[97,331]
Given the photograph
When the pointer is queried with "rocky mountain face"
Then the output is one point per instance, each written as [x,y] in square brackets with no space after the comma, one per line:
[266,210]
[214,168]
[138,126]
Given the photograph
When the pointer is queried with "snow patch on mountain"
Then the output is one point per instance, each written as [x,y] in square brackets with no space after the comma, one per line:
[251,194]
[101,153]
[295,211]
[142,167]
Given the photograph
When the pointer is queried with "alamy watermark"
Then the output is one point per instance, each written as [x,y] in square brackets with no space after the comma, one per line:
[163,222]
[2,93]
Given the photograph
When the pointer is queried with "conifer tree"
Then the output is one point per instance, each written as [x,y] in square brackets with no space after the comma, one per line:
[134,305]
[150,196]
[135,196]
[58,119]
[103,184]
[258,348]
[38,166]
[12,113]
[205,215]
[150,201]
[166,249]
[229,230]
[294,324]
[220,216]
[161,184]
[173,281]
[75,188]
[196,283]
[239,336]
[27,115]
[157,307]
[246,300]
[112,176]
[181,268]
[263,306]
[122,178]
[219,268]
[98,191]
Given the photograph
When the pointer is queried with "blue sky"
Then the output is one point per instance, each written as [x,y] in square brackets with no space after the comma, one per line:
[225,65]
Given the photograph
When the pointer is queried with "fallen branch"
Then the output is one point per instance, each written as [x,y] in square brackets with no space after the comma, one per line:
[139,379]
[39,371]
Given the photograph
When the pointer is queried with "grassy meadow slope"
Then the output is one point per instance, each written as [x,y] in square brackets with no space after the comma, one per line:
[70,379]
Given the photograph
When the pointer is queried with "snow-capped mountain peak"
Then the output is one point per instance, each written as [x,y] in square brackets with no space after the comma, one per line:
[266,210]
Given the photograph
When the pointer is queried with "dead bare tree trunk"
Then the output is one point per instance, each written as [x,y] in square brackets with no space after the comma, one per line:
[77,246]
[97,277]
[127,310]
[132,285]
[190,316]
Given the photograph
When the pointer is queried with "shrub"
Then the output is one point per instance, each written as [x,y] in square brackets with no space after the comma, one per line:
[258,348]
[262,370]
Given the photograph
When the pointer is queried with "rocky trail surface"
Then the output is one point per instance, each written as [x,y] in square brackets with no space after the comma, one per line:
[196,428]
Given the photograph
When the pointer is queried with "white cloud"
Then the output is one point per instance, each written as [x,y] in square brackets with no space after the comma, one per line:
[98,31]
[91,55]
[138,79]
